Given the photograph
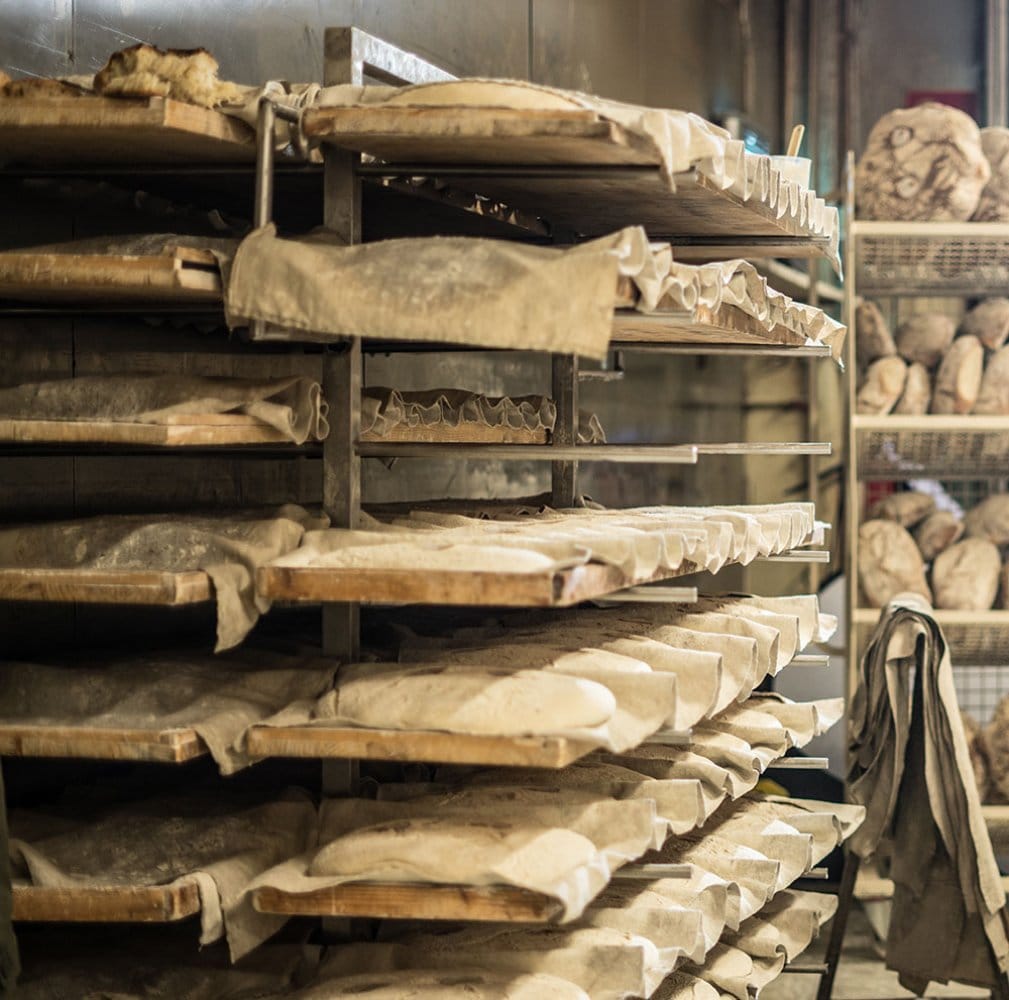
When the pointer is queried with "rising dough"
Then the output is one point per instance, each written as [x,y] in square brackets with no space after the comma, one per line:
[965,576]
[889,563]
[925,338]
[958,381]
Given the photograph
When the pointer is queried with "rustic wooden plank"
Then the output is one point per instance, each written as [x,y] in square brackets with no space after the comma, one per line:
[338,742]
[194,432]
[725,325]
[90,586]
[408,901]
[467,432]
[121,131]
[170,746]
[63,277]
[119,904]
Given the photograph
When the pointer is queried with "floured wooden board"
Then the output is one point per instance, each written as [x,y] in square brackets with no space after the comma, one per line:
[336,742]
[125,904]
[193,430]
[185,276]
[119,131]
[414,902]
[465,432]
[592,203]
[91,586]
[169,746]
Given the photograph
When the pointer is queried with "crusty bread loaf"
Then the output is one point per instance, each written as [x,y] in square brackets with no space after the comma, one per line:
[989,322]
[993,396]
[925,338]
[965,577]
[889,563]
[917,395]
[883,386]
[183,74]
[937,532]
[920,164]
[906,508]
[990,519]
[958,381]
[994,203]
[873,337]
[978,755]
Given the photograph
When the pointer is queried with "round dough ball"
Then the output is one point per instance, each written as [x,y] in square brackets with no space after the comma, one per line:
[937,532]
[906,508]
[996,747]
[922,164]
[958,381]
[990,519]
[873,337]
[883,386]
[925,338]
[965,576]
[917,395]
[994,203]
[889,563]
[989,322]
[993,396]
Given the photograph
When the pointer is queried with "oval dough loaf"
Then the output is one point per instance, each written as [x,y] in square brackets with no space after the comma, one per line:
[925,338]
[978,756]
[958,381]
[889,563]
[922,163]
[993,397]
[938,532]
[994,203]
[883,386]
[917,395]
[965,576]
[906,508]
[990,519]
[996,748]
[874,339]
[989,322]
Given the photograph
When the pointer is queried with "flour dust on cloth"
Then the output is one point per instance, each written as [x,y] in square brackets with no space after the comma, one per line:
[227,548]
[293,405]
[562,843]
[219,843]
[911,768]
[386,411]
[219,697]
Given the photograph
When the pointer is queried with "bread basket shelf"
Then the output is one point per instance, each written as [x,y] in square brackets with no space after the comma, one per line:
[974,637]
[931,258]
[943,447]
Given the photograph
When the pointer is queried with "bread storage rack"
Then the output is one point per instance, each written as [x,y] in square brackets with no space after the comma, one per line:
[579,187]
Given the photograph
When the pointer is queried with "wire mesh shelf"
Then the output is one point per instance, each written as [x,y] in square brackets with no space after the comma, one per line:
[975,638]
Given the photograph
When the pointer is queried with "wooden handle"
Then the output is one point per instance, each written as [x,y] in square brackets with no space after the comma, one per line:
[796,140]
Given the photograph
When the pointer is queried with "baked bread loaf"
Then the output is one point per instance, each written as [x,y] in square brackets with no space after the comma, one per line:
[993,396]
[873,336]
[958,381]
[937,532]
[883,386]
[965,577]
[917,395]
[978,756]
[925,338]
[188,75]
[989,322]
[996,749]
[921,164]
[994,203]
[889,563]
[990,519]
[907,508]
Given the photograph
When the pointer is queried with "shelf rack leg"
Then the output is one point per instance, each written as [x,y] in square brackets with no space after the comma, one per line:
[845,897]
[564,389]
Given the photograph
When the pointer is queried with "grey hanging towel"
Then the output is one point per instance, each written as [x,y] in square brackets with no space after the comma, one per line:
[910,767]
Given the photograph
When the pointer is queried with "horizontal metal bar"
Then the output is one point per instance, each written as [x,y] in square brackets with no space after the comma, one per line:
[601,375]
[659,454]
[798,556]
[728,350]
[651,872]
[799,764]
[670,738]
[817,873]
[156,170]
[524,171]
[809,970]
[809,660]
[654,595]
[766,448]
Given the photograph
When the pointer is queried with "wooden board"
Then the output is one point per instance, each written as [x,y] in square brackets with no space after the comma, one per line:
[468,432]
[126,904]
[726,325]
[197,430]
[119,131]
[169,746]
[91,586]
[556,589]
[325,742]
[185,276]
[408,901]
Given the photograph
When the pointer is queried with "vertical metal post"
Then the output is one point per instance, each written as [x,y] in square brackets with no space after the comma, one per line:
[813,420]
[845,897]
[564,389]
[996,75]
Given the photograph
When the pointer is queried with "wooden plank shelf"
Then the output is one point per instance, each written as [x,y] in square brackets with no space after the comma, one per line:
[340,742]
[116,904]
[183,277]
[167,746]
[102,130]
[407,901]
[569,166]
[92,586]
